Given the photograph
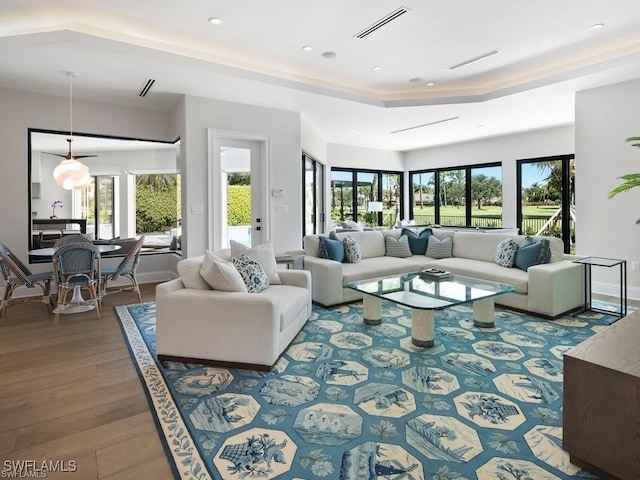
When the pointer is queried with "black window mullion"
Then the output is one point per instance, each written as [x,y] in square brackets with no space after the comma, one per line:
[468,204]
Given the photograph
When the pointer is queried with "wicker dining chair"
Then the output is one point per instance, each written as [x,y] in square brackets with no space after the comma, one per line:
[16,274]
[77,266]
[74,238]
[127,268]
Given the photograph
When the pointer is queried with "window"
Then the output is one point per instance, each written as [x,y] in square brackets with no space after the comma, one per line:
[157,205]
[361,203]
[423,204]
[469,196]
[546,198]
[486,195]
[313,206]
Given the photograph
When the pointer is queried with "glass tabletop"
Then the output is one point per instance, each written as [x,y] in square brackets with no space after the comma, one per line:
[416,291]
[599,261]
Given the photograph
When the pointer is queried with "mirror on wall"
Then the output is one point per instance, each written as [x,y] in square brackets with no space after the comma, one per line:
[134,190]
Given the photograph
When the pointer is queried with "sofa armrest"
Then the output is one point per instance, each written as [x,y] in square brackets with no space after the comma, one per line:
[165,288]
[326,280]
[296,278]
[556,288]
[210,324]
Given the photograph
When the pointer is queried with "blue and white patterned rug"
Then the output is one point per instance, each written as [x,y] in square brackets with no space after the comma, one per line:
[348,401]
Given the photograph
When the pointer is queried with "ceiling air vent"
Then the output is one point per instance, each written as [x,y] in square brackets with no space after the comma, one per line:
[382,22]
[425,124]
[147,87]
[474,59]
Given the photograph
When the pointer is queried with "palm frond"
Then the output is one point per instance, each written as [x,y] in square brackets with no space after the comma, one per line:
[631,180]
[634,141]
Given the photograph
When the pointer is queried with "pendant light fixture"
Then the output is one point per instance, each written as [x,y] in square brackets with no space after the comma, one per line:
[71,173]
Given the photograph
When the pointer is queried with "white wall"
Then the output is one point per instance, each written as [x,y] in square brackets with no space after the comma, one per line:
[311,141]
[605,117]
[283,130]
[505,149]
[21,111]
[367,158]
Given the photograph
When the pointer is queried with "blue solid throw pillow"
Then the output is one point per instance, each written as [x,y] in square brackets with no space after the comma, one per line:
[532,253]
[417,242]
[332,248]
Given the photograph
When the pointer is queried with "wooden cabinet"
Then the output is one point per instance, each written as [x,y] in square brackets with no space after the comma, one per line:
[601,412]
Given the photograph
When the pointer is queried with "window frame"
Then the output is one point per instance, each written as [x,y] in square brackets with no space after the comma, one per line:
[436,193]
[354,198]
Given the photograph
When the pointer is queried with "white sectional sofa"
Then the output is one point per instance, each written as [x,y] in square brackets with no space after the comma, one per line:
[548,290]
[195,323]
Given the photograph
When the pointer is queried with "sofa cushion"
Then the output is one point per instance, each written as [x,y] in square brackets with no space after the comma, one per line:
[331,248]
[371,242]
[292,299]
[263,254]
[417,240]
[252,273]
[351,250]
[189,271]
[397,247]
[506,252]
[484,270]
[377,267]
[439,248]
[533,253]
[221,275]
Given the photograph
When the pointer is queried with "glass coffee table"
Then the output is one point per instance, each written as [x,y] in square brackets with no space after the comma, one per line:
[426,295]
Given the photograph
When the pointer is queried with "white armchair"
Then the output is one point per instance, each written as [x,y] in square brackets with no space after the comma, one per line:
[244,330]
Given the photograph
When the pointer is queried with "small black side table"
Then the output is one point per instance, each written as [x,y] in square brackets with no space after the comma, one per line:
[589,262]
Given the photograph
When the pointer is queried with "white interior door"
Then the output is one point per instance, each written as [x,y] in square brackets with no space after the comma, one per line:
[238,172]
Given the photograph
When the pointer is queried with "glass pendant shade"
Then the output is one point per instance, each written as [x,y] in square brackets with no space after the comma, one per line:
[70,174]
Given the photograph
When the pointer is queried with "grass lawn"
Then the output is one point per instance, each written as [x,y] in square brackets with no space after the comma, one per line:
[543,211]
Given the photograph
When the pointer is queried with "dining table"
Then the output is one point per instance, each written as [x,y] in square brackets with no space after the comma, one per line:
[76,298]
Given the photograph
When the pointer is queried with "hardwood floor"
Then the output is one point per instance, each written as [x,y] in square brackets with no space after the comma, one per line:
[71,392]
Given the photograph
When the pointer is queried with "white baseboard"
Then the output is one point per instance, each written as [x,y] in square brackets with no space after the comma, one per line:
[613,290]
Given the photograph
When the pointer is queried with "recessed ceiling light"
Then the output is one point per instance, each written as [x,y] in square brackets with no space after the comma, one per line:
[377,68]
[597,26]
[415,80]
[307,48]
[329,54]
[430,84]
[352,130]
[215,21]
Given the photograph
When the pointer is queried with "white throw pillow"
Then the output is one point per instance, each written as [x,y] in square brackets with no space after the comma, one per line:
[263,254]
[189,271]
[221,275]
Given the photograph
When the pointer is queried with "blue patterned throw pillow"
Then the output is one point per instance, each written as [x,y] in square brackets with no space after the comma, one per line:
[351,250]
[532,253]
[251,272]
[506,252]
[331,247]
[417,241]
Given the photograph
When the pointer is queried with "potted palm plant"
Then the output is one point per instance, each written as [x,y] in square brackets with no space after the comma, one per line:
[631,180]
